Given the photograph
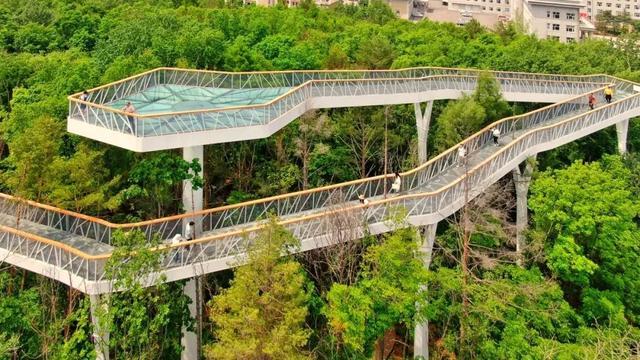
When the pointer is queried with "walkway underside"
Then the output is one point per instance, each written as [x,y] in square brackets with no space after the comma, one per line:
[74,248]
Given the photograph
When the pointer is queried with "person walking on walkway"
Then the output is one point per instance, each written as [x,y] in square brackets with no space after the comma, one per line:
[592,101]
[397,183]
[129,109]
[495,133]
[462,154]
[84,97]
[608,94]
[191,230]
[179,251]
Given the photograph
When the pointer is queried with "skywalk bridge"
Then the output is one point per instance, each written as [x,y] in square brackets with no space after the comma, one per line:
[177,108]
[182,108]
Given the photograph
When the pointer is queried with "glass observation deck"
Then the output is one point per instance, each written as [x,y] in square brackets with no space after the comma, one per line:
[175,108]
[171,98]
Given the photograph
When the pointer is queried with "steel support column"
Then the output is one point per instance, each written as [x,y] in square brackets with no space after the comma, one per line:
[192,200]
[100,331]
[422,124]
[421,335]
[522,179]
[621,130]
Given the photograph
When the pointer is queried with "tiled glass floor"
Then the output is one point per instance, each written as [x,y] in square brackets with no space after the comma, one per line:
[175,98]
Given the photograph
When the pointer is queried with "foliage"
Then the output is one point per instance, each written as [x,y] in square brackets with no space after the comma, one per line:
[155,177]
[588,217]
[583,216]
[487,94]
[458,120]
[144,322]
[262,314]
[387,293]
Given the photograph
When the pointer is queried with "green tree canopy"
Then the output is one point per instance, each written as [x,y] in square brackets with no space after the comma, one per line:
[262,314]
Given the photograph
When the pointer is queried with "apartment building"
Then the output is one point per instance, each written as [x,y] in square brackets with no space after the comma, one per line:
[483,6]
[617,7]
[404,9]
[552,19]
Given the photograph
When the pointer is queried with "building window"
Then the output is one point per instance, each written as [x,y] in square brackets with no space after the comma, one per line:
[484,8]
[553,37]
[571,40]
[588,2]
[556,15]
[571,16]
[548,26]
[490,9]
[636,7]
[608,4]
[636,14]
[618,6]
[627,6]
[571,28]
[498,10]
[599,4]
[555,27]
[548,13]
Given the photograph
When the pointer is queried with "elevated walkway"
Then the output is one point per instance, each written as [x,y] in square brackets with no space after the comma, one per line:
[54,242]
[177,108]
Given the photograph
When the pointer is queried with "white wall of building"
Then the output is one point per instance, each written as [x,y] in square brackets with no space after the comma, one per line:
[547,20]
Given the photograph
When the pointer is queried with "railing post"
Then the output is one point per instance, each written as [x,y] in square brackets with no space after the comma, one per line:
[421,335]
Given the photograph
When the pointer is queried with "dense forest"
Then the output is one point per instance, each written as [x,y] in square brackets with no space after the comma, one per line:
[572,293]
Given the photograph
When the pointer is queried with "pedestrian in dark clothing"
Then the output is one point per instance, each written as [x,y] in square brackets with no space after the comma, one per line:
[592,101]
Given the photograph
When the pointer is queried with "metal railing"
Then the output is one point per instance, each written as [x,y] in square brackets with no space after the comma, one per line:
[543,126]
[305,86]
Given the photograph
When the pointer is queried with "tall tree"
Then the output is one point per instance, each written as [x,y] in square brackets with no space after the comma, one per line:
[458,120]
[143,322]
[389,291]
[488,95]
[262,314]
[586,216]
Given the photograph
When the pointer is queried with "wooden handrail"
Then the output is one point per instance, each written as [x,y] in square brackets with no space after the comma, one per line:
[318,214]
[75,97]
[327,187]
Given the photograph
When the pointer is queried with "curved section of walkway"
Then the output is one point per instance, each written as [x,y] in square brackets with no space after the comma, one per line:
[318,217]
[99,119]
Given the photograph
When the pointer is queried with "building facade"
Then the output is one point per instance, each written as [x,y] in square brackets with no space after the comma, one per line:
[552,19]
[484,6]
[617,7]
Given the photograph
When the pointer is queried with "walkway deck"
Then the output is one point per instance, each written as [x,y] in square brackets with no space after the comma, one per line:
[73,248]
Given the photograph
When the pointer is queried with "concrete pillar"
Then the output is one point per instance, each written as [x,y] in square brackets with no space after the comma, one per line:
[192,200]
[100,330]
[522,179]
[621,129]
[421,335]
[190,349]
[422,124]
